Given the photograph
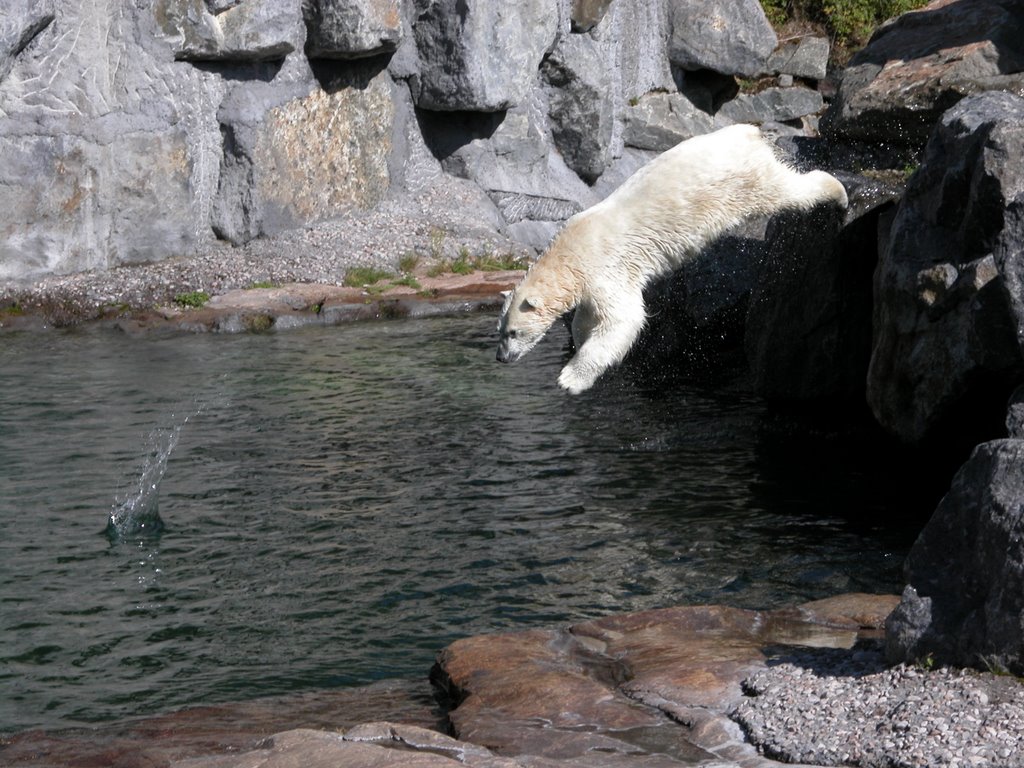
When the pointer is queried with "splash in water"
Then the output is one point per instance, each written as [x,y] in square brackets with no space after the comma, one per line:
[135,512]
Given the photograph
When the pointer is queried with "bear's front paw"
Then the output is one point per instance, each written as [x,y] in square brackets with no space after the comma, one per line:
[575,381]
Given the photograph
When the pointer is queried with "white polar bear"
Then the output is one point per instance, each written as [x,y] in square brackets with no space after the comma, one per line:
[662,216]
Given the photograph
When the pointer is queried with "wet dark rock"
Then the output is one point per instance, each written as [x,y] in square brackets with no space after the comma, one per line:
[948,302]
[965,601]
[808,328]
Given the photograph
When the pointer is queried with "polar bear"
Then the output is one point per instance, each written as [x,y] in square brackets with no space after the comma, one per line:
[662,216]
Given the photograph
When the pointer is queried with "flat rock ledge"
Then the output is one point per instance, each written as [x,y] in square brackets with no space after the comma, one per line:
[288,306]
[708,686]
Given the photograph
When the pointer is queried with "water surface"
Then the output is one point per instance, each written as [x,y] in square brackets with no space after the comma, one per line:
[338,504]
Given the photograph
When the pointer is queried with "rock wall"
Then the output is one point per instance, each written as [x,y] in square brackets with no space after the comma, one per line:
[137,132]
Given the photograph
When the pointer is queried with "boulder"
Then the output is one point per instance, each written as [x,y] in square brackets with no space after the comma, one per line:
[919,65]
[253,30]
[964,604]
[20,22]
[769,106]
[805,57]
[808,326]
[479,56]
[947,321]
[292,157]
[660,120]
[580,104]
[350,29]
[732,39]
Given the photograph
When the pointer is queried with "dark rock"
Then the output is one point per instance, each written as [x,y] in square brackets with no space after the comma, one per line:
[479,56]
[922,63]
[808,328]
[965,602]
[733,39]
[946,349]
[1015,414]
[350,29]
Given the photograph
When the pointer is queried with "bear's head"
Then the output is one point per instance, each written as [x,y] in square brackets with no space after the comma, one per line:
[522,324]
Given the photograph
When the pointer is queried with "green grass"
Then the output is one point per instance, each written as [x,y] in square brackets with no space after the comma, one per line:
[192,299]
[360,277]
[263,284]
[409,281]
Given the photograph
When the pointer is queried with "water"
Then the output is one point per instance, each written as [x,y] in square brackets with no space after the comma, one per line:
[204,518]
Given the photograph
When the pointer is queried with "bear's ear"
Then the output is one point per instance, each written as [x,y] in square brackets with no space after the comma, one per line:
[506,294]
[531,303]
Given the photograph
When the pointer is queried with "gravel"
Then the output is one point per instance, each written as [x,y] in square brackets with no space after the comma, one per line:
[442,220]
[834,707]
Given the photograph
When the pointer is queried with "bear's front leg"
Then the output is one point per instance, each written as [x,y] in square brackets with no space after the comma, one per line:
[606,345]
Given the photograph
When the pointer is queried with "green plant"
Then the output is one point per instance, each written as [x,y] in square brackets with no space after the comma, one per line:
[192,299]
[359,277]
[437,238]
[13,310]
[263,284]
[463,265]
[489,262]
[408,262]
[849,23]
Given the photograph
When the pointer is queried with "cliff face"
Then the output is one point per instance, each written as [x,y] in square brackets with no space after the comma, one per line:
[136,132]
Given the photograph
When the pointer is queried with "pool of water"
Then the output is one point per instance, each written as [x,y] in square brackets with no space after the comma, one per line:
[339,504]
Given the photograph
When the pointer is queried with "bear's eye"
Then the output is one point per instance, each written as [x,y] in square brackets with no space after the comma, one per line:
[513,333]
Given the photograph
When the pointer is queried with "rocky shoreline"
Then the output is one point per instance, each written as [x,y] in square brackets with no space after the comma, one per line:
[708,686]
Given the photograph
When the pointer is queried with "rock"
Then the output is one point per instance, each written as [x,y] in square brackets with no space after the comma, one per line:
[1015,414]
[919,65]
[586,14]
[770,105]
[270,181]
[20,22]
[658,121]
[349,29]
[581,104]
[805,57]
[946,349]
[479,56]
[965,600]
[105,168]
[254,30]
[510,157]
[733,39]
[808,326]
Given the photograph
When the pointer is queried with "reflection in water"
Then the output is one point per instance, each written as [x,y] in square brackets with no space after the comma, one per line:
[353,499]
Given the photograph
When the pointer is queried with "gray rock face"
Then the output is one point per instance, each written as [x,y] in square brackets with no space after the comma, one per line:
[581,104]
[586,14]
[965,602]
[948,303]
[20,22]
[733,39]
[477,55]
[349,29]
[921,64]
[254,30]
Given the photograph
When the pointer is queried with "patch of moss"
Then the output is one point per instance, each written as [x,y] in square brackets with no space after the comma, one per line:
[259,323]
[263,284]
[192,299]
[361,277]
